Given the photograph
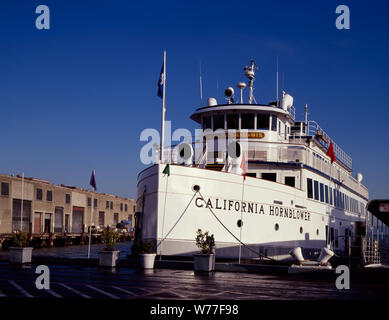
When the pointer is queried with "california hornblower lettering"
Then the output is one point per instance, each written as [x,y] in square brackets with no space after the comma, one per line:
[253,208]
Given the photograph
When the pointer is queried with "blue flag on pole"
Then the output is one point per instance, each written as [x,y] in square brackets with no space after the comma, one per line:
[93,180]
[160,83]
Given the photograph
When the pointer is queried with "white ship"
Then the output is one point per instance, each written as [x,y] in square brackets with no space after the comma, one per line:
[292,194]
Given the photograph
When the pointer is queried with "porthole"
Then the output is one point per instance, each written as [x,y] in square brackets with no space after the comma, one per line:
[317,232]
[239,223]
[276,227]
[196,188]
[301,229]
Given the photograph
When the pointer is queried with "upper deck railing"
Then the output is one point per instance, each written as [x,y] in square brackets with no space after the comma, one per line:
[275,152]
[324,139]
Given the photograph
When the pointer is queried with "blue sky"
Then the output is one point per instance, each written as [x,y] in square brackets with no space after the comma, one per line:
[77,96]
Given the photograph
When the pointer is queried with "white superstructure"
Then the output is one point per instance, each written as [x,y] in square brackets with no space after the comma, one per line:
[292,196]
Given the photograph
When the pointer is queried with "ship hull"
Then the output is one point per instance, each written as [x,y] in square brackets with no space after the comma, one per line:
[274,218]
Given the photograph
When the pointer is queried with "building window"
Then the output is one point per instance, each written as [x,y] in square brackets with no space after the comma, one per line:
[101,219]
[134,208]
[263,122]
[218,121]
[321,192]
[95,203]
[316,189]
[89,202]
[125,208]
[107,205]
[5,189]
[111,205]
[67,198]
[269,176]
[290,181]
[233,121]
[115,218]
[207,124]
[247,121]
[121,207]
[273,123]
[39,194]
[49,195]
[309,188]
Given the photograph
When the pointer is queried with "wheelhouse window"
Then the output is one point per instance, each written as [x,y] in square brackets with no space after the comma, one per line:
[233,121]
[269,176]
[273,123]
[326,194]
[207,123]
[218,121]
[247,121]
[263,121]
[309,188]
[330,196]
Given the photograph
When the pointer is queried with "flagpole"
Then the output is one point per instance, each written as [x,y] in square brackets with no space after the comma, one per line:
[21,209]
[91,215]
[163,108]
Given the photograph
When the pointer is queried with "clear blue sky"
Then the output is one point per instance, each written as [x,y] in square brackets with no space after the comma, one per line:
[77,96]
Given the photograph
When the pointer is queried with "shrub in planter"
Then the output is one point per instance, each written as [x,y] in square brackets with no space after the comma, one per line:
[147,255]
[109,257]
[19,253]
[205,261]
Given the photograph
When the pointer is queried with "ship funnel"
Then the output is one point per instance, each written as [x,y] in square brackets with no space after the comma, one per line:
[287,101]
[185,153]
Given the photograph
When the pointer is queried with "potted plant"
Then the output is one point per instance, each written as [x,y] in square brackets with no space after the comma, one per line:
[147,255]
[205,261]
[109,257]
[20,253]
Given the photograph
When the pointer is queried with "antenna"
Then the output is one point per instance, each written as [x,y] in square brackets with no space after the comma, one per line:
[201,88]
[306,114]
[250,73]
[241,86]
[277,83]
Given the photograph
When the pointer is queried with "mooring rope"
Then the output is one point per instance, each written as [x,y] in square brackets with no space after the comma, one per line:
[182,214]
[243,244]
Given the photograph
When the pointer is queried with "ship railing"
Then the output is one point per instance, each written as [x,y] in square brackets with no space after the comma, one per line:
[271,152]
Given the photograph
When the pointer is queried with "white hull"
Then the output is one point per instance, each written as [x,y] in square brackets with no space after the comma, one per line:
[261,204]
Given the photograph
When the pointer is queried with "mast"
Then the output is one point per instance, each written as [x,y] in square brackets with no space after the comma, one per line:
[250,73]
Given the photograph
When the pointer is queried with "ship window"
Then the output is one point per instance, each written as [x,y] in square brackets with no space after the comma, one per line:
[269,176]
[247,121]
[290,181]
[301,229]
[273,123]
[263,121]
[251,174]
[321,192]
[330,196]
[276,227]
[316,189]
[279,127]
[309,188]
[233,121]
[207,123]
[218,121]
[326,194]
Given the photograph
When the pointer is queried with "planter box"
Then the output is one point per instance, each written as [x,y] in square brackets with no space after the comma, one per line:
[20,255]
[204,262]
[147,260]
[109,258]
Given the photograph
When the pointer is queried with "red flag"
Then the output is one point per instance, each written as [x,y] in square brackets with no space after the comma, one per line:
[243,167]
[330,152]
[92,180]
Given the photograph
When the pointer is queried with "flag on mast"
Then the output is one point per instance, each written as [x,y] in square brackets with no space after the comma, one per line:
[244,167]
[93,180]
[161,81]
[331,153]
